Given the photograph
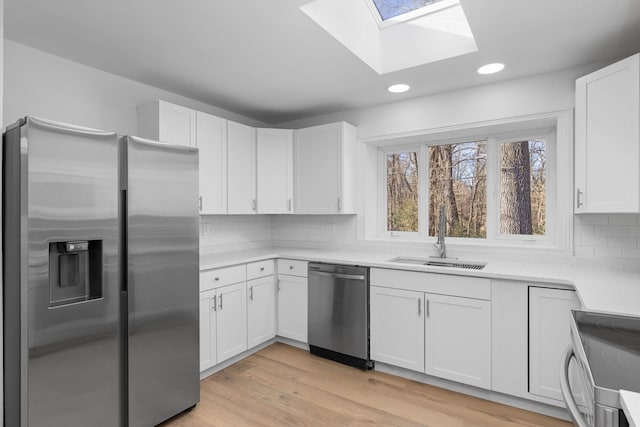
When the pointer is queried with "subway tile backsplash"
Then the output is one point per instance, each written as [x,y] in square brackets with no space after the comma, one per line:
[595,235]
[222,233]
[607,235]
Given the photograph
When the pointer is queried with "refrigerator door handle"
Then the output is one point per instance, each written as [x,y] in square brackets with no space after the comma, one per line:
[64,127]
[124,277]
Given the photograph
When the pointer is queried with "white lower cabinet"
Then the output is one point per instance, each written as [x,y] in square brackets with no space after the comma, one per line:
[397,327]
[292,307]
[458,339]
[232,320]
[223,324]
[208,356]
[549,336]
[261,310]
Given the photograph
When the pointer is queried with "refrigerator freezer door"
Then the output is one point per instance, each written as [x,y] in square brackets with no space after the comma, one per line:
[162,280]
[61,333]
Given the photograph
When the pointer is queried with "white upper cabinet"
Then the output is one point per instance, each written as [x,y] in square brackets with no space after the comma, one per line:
[607,147]
[275,171]
[241,169]
[211,140]
[324,163]
[167,122]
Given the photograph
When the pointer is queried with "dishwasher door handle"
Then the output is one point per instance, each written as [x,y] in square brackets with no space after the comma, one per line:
[339,275]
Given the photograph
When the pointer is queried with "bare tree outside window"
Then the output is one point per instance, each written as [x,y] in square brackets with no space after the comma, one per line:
[523,187]
[402,192]
[458,180]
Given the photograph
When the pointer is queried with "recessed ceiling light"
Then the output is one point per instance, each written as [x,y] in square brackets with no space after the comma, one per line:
[491,68]
[399,88]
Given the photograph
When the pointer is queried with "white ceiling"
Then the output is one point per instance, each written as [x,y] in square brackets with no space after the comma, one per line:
[267,60]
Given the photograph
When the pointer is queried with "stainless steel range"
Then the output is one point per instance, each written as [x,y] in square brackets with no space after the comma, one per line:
[606,349]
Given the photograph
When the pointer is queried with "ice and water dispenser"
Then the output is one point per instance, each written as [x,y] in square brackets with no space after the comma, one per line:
[75,271]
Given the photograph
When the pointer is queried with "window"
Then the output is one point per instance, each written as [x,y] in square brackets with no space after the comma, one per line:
[523,187]
[491,189]
[391,8]
[458,181]
[402,191]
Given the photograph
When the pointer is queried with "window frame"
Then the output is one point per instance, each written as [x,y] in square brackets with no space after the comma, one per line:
[550,239]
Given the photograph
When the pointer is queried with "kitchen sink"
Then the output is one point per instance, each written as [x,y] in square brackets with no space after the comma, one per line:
[441,262]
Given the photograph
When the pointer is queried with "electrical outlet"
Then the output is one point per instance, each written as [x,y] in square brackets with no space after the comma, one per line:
[331,227]
[206,229]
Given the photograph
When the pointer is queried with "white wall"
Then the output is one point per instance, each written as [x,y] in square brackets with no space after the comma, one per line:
[538,94]
[40,84]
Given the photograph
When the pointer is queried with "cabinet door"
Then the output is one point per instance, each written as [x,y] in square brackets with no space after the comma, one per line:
[211,139]
[549,336]
[232,320]
[176,124]
[458,339]
[261,310]
[241,169]
[607,140]
[292,307]
[207,329]
[318,169]
[397,327]
[275,171]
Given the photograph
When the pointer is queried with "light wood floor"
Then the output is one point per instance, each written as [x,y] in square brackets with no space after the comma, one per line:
[286,386]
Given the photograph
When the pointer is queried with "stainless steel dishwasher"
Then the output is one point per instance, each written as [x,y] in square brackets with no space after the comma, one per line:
[339,313]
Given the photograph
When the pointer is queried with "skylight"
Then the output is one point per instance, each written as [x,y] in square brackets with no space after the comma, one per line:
[429,30]
[391,8]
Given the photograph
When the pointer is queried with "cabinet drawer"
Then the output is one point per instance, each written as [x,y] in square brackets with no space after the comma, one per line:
[292,267]
[259,269]
[443,284]
[222,277]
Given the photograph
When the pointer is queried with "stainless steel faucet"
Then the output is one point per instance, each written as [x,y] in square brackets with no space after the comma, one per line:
[440,245]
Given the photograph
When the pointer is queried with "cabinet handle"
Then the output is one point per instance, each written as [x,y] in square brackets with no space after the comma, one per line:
[289,205]
[427,308]
[254,205]
[419,311]
[579,203]
[251,293]
[261,268]
[216,278]
[200,203]
[278,285]
[339,204]
[220,302]
[291,267]
[214,303]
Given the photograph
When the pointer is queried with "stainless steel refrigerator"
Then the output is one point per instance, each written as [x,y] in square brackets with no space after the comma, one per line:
[100,277]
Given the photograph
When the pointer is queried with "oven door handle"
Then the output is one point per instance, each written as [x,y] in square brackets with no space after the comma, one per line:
[572,406]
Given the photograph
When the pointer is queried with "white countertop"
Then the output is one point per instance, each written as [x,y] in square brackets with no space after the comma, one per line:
[606,287]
